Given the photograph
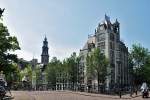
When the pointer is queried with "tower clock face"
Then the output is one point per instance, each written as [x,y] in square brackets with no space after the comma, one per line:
[101,28]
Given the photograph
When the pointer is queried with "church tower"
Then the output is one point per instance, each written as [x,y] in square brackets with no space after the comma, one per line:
[45,55]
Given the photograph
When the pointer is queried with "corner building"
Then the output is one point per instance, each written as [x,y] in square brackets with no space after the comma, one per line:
[107,38]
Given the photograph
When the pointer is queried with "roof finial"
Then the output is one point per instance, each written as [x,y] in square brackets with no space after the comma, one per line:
[116,20]
[105,15]
[95,30]
[45,37]
[107,18]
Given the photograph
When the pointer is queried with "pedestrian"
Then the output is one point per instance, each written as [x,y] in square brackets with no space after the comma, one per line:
[144,90]
[131,91]
[2,77]
[87,88]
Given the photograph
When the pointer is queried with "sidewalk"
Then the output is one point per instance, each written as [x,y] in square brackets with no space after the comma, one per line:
[127,96]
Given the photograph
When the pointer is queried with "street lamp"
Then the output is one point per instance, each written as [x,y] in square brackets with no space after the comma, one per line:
[120,86]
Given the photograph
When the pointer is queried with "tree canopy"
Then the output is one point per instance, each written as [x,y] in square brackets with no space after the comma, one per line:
[7,44]
[63,71]
[97,65]
[140,61]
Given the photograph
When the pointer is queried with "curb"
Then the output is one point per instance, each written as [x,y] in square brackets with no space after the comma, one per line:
[100,95]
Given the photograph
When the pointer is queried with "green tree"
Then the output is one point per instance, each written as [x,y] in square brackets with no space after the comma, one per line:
[53,70]
[27,71]
[141,63]
[72,69]
[63,72]
[8,44]
[36,76]
[97,66]
[13,78]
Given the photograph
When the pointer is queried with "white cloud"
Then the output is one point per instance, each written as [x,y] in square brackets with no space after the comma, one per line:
[24,54]
[62,52]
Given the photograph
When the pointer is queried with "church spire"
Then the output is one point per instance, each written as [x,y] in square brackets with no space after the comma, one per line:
[45,55]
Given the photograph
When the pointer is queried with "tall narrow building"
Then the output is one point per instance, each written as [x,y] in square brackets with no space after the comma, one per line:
[45,55]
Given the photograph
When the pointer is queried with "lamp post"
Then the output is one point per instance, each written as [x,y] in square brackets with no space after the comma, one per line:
[120,86]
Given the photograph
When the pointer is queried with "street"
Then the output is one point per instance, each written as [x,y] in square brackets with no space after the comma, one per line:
[66,95]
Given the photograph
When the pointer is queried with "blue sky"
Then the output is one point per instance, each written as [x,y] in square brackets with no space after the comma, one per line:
[67,23]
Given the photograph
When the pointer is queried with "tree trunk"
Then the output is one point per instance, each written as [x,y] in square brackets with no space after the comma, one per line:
[98,83]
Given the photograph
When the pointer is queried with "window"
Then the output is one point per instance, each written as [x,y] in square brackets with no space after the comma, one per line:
[117,37]
[112,45]
[101,37]
[101,45]
[103,51]
[112,57]
[112,38]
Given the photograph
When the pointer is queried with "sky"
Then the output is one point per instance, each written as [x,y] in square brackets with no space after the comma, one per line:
[67,23]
